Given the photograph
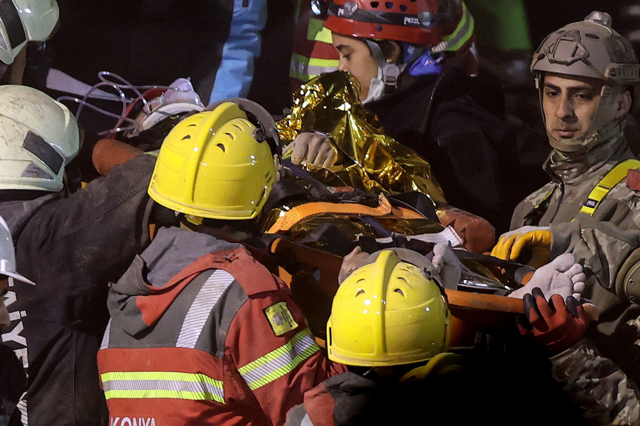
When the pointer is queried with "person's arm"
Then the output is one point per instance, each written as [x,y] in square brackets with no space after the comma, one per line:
[613,242]
[275,355]
[466,160]
[601,390]
[598,385]
[235,74]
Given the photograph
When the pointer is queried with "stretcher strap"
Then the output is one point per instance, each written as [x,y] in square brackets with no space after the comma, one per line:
[303,211]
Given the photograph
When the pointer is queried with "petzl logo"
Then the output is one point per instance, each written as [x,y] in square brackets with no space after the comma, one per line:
[132,421]
[411,21]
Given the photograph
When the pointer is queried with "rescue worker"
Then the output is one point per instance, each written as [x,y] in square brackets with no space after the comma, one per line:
[200,331]
[212,42]
[12,375]
[390,324]
[414,71]
[72,245]
[313,53]
[588,79]
[23,22]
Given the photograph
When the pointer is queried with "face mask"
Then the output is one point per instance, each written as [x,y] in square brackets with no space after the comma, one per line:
[376,88]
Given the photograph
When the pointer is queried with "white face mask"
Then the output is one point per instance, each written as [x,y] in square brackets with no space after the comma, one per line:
[376,88]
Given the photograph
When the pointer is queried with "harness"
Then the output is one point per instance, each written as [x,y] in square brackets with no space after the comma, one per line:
[597,194]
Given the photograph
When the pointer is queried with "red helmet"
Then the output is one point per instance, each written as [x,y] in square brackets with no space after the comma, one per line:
[419,22]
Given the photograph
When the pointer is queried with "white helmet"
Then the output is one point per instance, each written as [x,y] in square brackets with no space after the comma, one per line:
[7,268]
[22,21]
[38,138]
[8,254]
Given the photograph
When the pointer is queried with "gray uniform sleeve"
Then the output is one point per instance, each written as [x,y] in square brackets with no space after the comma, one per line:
[597,385]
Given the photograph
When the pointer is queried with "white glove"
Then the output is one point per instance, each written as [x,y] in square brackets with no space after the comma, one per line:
[447,264]
[561,276]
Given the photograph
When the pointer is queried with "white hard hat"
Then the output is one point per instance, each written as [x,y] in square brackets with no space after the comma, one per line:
[22,21]
[38,138]
[8,255]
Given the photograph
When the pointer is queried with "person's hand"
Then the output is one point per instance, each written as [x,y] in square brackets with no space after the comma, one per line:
[553,324]
[562,276]
[313,148]
[351,262]
[537,239]
[447,264]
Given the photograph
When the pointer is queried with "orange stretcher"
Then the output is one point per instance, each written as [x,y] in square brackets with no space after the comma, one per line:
[312,275]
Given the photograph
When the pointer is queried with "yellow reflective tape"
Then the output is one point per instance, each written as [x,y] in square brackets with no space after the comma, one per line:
[315,62]
[166,394]
[317,32]
[159,375]
[161,384]
[279,362]
[461,34]
[608,182]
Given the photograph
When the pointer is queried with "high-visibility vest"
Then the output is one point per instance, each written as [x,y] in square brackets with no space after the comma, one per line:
[178,357]
[313,53]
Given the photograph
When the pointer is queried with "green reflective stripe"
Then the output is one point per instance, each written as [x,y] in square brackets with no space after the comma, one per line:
[161,384]
[279,362]
[315,62]
[165,394]
[305,69]
[460,36]
[317,32]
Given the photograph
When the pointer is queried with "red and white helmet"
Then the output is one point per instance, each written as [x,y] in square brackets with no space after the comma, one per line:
[443,25]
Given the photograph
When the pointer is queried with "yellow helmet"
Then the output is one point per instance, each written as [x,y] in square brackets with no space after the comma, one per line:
[214,164]
[390,311]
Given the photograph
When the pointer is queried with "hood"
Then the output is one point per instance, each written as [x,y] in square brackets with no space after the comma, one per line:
[156,273]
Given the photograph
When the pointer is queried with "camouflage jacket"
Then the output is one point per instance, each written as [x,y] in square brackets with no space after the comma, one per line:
[597,385]
[604,243]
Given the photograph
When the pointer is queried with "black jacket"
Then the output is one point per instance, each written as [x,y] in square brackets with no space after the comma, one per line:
[72,248]
[457,124]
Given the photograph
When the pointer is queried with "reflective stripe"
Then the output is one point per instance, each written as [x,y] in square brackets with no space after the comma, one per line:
[280,362]
[160,384]
[317,32]
[201,307]
[22,407]
[305,69]
[306,421]
[105,337]
[606,184]
[459,36]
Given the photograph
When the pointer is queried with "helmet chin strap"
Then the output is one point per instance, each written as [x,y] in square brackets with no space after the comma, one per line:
[390,72]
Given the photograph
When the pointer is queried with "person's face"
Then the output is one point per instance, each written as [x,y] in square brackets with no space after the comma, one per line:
[4,314]
[356,58]
[570,105]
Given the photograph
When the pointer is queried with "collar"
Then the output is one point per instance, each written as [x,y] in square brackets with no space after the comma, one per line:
[610,146]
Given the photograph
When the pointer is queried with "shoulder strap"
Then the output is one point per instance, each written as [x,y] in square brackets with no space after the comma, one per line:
[606,184]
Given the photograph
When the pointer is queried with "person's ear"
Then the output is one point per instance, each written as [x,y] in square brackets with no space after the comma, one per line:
[394,52]
[624,103]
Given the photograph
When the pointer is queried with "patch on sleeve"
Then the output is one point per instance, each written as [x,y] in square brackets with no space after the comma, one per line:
[280,318]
